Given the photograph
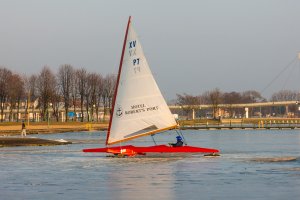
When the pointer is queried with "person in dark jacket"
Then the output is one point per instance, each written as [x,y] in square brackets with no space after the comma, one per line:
[179,142]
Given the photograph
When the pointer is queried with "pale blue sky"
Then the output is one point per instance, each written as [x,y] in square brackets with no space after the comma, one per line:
[191,46]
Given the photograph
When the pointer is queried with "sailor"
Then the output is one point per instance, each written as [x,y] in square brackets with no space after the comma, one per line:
[179,142]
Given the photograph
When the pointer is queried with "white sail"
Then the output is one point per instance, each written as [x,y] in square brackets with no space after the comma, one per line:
[139,108]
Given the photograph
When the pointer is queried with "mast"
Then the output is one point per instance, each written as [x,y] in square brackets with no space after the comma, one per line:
[118,79]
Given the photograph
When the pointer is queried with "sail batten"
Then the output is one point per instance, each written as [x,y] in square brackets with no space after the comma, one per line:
[145,134]
[138,103]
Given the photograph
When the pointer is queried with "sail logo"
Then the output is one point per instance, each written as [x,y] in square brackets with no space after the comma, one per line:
[140,108]
[119,111]
[132,44]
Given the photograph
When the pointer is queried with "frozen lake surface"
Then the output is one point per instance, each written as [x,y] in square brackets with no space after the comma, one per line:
[253,165]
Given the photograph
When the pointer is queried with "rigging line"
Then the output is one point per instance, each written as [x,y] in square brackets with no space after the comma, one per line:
[289,75]
[274,79]
[298,65]
[152,135]
[299,70]
[297,76]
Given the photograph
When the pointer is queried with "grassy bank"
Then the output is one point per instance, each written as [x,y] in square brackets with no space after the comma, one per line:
[14,128]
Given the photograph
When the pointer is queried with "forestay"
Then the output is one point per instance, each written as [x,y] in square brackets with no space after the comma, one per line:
[139,107]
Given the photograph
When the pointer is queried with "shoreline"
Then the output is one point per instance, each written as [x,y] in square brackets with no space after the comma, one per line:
[43,128]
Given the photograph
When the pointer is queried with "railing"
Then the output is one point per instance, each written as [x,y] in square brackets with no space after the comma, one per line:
[260,124]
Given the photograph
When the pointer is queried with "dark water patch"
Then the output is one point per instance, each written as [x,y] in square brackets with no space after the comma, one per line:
[275,159]
[85,141]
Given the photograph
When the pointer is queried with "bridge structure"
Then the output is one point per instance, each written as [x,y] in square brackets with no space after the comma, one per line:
[244,106]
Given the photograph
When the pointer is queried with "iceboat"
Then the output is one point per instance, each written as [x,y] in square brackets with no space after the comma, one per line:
[138,108]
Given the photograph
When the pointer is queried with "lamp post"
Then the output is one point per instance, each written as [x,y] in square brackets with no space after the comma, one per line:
[298,107]
[28,106]
[94,106]
[50,104]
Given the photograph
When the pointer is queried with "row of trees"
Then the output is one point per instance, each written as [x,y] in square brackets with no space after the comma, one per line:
[69,86]
[72,88]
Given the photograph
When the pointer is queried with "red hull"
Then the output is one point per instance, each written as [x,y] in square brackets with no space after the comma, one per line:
[132,150]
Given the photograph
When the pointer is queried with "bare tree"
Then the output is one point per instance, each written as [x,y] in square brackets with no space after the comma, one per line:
[91,94]
[109,85]
[30,92]
[252,96]
[232,98]
[187,102]
[26,94]
[55,102]
[99,93]
[46,84]
[88,95]
[81,77]
[65,77]
[33,87]
[5,75]
[285,95]
[15,94]
[215,97]
[102,95]
[74,94]
[33,97]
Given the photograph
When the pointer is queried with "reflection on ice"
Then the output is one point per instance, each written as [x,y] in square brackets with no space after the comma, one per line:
[141,177]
